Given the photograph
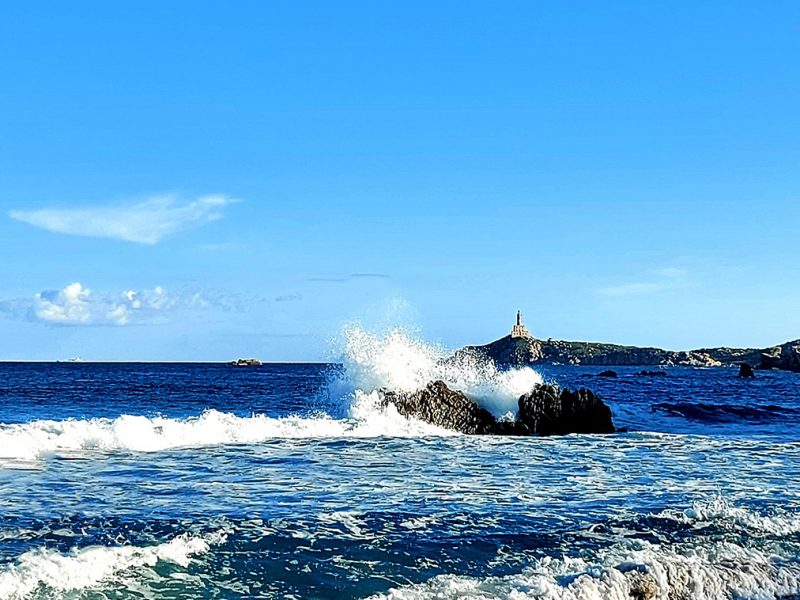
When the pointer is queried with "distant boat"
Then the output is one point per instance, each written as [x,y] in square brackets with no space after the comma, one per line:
[245,362]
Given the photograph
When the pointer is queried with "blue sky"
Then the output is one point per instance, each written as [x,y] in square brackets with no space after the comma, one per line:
[193,181]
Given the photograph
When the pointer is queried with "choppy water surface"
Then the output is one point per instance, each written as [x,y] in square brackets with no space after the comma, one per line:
[174,481]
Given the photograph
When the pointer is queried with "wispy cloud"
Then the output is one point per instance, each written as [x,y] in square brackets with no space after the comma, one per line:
[288,298]
[76,305]
[660,280]
[346,278]
[144,222]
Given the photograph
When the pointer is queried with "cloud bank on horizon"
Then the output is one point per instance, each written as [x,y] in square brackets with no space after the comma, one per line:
[145,222]
[76,305]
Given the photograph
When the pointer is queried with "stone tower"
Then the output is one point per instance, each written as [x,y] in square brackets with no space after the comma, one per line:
[519,330]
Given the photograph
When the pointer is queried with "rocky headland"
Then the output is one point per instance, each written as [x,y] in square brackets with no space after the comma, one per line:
[786,357]
[522,349]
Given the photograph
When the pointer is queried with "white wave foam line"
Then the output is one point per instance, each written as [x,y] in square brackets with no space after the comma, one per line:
[90,567]
[400,362]
[649,573]
[719,510]
[37,439]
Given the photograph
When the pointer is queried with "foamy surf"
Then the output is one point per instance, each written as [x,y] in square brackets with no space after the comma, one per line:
[39,439]
[50,572]
[718,510]
[648,572]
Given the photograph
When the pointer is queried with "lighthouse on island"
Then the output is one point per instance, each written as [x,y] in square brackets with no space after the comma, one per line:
[519,331]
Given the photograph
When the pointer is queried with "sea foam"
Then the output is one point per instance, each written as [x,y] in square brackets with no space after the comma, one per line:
[722,570]
[39,439]
[86,568]
[719,511]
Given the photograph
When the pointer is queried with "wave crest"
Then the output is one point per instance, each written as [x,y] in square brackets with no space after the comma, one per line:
[719,510]
[86,568]
[39,439]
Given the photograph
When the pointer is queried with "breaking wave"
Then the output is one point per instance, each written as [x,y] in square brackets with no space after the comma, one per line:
[639,569]
[48,571]
[721,512]
[39,439]
[651,572]
[400,362]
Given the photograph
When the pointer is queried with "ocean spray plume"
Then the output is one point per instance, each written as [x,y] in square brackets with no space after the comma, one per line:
[401,362]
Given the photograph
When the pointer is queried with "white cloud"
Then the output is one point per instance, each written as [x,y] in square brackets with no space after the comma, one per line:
[145,222]
[76,305]
[661,280]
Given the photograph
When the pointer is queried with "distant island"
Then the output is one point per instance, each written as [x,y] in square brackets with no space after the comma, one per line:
[245,362]
[520,348]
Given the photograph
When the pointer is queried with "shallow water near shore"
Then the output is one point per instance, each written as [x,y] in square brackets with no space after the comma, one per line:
[199,480]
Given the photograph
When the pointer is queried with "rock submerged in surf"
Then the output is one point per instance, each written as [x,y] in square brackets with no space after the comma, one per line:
[545,410]
[746,371]
[607,374]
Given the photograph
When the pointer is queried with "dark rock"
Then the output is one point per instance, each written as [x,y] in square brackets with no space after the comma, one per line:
[546,410]
[549,410]
[785,357]
[511,428]
[439,405]
[746,370]
[652,373]
[607,374]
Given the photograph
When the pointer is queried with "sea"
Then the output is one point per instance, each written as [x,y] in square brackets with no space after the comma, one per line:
[178,480]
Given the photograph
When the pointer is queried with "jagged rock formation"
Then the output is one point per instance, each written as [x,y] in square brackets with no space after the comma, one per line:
[548,410]
[545,410]
[785,356]
[439,405]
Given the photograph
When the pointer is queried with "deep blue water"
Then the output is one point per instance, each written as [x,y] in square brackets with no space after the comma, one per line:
[202,480]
